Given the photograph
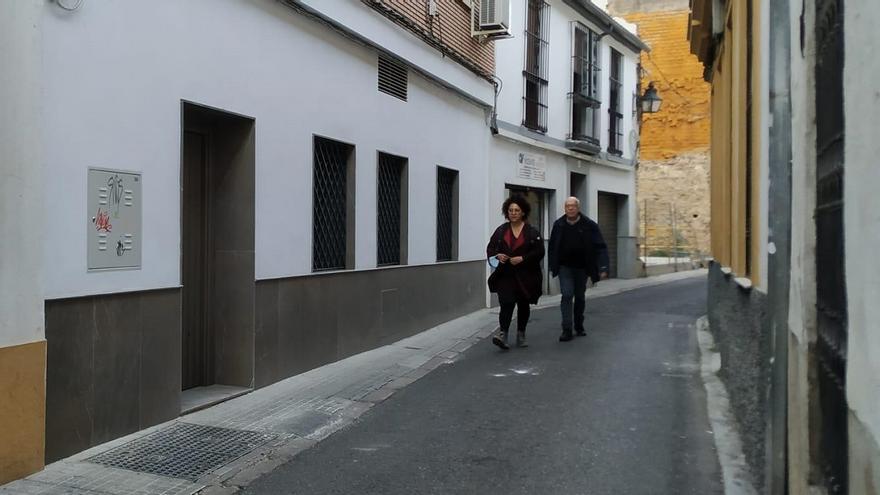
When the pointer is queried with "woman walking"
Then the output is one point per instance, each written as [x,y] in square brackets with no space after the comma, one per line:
[519,249]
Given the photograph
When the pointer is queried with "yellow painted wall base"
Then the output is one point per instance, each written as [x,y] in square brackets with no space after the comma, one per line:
[22,410]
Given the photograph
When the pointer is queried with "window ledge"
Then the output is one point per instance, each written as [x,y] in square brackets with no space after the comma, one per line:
[582,146]
[743,283]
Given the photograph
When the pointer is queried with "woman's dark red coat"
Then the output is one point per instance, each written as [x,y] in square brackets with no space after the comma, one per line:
[522,281]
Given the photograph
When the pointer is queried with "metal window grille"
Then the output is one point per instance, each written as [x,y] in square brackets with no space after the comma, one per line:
[329,204]
[831,344]
[392,78]
[536,66]
[446,210]
[389,179]
[615,121]
[585,99]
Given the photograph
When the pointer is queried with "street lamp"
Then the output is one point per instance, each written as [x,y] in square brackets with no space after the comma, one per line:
[651,101]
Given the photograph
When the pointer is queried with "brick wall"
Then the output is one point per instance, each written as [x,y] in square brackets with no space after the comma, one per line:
[449,30]
[682,125]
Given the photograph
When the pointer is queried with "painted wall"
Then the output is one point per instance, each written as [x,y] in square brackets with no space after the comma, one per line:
[22,344]
[285,78]
[510,59]
[802,284]
[862,234]
[22,196]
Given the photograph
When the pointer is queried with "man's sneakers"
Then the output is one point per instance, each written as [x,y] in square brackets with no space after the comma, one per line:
[566,335]
[580,332]
[500,339]
[521,339]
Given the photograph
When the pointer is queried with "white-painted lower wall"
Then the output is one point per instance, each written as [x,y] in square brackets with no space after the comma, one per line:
[22,194]
[802,284]
[114,78]
[504,171]
[862,213]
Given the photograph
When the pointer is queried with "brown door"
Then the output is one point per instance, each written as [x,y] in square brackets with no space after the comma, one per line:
[607,219]
[195,239]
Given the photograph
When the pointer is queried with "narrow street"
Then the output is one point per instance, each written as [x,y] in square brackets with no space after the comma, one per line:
[621,411]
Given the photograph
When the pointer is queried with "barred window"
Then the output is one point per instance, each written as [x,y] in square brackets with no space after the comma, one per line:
[535,73]
[447,214]
[585,100]
[332,204]
[391,210]
[615,110]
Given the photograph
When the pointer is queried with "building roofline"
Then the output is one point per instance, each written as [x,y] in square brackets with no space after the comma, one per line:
[601,18]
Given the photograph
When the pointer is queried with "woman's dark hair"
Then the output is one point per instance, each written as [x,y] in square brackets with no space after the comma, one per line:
[519,201]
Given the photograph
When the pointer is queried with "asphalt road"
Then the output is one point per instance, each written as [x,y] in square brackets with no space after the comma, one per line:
[621,411]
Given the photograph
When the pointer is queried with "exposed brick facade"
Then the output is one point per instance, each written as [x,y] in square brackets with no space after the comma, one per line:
[674,154]
[449,31]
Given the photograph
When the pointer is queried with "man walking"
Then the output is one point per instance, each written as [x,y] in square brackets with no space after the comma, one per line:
[577,252]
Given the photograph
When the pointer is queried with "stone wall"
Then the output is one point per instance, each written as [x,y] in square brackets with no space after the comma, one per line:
[678,185]
[736,320]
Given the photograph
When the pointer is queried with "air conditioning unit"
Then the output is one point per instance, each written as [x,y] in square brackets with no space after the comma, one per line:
[494,14]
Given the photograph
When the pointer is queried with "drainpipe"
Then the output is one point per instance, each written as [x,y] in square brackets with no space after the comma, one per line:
[779,236]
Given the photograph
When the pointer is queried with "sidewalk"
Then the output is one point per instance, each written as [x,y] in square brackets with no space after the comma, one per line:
[222,448]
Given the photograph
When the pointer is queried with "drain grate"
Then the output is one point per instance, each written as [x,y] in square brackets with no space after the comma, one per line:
[183,450]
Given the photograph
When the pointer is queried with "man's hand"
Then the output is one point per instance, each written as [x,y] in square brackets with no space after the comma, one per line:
[502,258]
[516,260]
[603,275]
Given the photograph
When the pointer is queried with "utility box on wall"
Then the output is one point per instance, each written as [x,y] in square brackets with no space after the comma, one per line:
[114,219]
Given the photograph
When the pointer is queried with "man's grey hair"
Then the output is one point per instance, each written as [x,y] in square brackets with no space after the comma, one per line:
[572,198]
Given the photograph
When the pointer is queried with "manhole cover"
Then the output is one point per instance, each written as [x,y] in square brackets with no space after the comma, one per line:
[183,450]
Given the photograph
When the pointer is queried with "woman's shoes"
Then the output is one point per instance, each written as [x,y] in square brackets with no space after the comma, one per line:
[500,339]
[521,339]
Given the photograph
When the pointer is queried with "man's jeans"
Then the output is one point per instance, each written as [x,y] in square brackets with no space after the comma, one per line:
[573,284]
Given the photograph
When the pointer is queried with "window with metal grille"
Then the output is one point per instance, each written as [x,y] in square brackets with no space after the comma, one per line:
[536,66]
[390,210]
[831,298]
[585,100]
[447,214]
[332,202]
[615,109]
[392,78]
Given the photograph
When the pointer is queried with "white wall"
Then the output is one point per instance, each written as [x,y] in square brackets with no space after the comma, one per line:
[22,194]
[862,211]
[114,79]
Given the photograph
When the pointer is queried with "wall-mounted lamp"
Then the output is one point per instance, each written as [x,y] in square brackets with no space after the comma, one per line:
[651,101]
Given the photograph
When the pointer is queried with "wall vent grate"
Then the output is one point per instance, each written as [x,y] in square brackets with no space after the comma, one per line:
[392,78]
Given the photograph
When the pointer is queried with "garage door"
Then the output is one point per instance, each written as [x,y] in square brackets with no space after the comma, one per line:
[607,218]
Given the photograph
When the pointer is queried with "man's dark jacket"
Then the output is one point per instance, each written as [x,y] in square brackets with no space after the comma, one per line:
[595,253]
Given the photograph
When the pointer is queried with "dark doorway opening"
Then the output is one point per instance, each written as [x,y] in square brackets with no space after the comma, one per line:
[217,255]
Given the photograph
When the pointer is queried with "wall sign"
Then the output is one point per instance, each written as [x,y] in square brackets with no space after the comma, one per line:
[531,166]
[114,219]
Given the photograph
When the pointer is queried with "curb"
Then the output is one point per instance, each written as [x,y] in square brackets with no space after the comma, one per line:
[734,470]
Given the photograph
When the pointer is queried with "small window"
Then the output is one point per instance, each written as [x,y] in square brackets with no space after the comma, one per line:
[391,200]
[332,205]
[615,110]
[392,78]
[447,214]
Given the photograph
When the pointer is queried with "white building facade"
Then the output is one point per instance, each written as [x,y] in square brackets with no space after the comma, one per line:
[567,121]
[224,194]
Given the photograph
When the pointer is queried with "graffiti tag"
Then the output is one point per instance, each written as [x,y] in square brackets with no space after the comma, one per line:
[102,221]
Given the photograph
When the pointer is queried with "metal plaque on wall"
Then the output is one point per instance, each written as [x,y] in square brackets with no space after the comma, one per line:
[114,219]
